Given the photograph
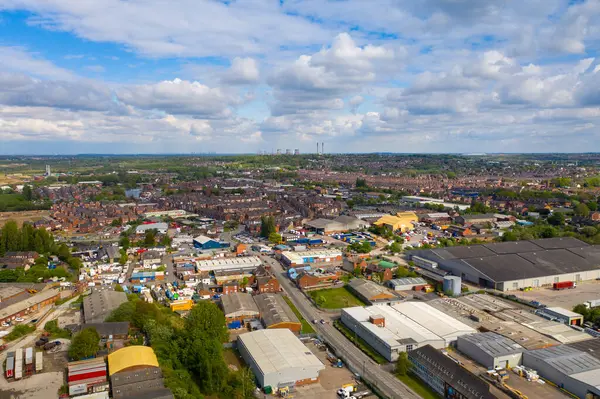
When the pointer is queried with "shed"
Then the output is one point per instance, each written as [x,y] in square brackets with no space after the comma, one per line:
[491,350]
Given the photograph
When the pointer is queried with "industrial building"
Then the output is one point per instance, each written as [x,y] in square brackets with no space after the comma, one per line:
[87,376]
[562,315]
[28,305]
[337,225]
[205,243]
[402,221]
[407,284]
[445,376]
[134,372]
[491,350]
[511,265]
[316,258]
[160,227]
[244,263]
[238,307]
[279,359]
[372,293]
[572,367]
[100,303]
[403,327]
[276,313]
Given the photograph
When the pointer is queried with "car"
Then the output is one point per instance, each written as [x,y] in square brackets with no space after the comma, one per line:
[5,324]
[19,319]
[322,321]
[315,321]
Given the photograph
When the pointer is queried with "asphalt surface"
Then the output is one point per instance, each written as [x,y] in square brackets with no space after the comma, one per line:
[354,358]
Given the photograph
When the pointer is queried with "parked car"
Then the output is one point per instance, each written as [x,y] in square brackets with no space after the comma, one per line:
[19,319]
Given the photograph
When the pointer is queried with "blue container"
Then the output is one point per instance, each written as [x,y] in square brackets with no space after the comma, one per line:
[234,324]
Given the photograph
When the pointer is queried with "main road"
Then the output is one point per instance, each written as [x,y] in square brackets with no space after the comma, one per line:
[356,360]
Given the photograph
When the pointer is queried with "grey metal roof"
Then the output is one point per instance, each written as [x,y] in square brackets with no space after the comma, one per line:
[559,242]
[238,302]
[100,303]
[407,281]
[274,310]
[513,247]
[493,344]
[566,359]
[368,289]
[106,329]
[589,346]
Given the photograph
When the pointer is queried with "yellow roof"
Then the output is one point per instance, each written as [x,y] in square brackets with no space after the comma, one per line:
[131,356]
[409,215]
[388,219]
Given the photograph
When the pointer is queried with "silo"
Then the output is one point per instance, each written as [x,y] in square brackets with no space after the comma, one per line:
[452,285]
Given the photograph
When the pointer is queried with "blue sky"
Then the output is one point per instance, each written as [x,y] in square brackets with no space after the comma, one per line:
[83,76]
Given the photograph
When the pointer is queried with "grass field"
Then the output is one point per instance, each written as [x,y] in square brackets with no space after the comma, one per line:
[306,327]
[335,298]
[20,217]
[418,386]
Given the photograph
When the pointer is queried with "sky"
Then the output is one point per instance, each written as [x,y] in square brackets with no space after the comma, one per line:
[242,76]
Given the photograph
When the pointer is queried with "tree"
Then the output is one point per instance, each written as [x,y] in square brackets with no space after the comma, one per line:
[557,219]
[357,271]
[361,183]
[124,243]
[63,252]
[395,248]
[402,364]
[589,231]
[275,238]
[85,344]
[116,222]
[150,238]
[582,210]
[123,258]
[75,263]
[267,226]
[593,205]
[27,193]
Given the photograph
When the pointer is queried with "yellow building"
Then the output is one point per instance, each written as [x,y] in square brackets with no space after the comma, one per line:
[136,356]
[403,221]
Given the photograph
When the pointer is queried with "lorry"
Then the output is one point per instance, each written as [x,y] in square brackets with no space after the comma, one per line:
[18,364]
[563,285]
[9,371]
[594,303]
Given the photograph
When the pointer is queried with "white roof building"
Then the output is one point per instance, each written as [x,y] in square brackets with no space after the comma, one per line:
[161,227]
[307,257]
[242,263]
[278,358]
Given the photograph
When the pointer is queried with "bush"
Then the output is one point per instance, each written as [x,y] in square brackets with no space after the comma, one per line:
[19,331]
[85,344]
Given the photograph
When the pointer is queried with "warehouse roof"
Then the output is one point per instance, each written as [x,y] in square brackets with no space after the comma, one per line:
[298,257]
[274,310]
[100,303]
[326,224]
[408,281]
[238,302]
[229,263]
[563,312]
[110,328]
[566,359]
[276,350]
[434,320]
[26,303]
[372,291]
[203,239]
[522,259]
[398,329]
[131,356]
[448,370]
[493,344]
[589,346]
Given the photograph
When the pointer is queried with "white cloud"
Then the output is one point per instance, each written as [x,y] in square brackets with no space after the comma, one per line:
[242,71]
[19,60]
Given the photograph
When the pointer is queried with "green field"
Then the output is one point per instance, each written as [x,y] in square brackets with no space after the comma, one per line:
[335,298]
[306,327]
[418,386]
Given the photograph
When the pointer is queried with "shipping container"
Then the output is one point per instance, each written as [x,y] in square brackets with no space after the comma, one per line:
[39,362]
[563,285]
[234,324]
[28,355]
[10,365]
[18,364]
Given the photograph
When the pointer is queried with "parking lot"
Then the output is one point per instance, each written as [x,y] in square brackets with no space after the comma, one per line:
[330,379]
[585,291]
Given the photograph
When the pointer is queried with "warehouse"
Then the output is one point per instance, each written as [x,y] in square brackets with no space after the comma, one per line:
[160,227]
[279,359]
[402,221]
[29,305]
[316,258]
[372,293]
[244,263]
[561,315]
[239,308]
[511,265]
[205,243]
[100,303]
[134,372]
[87,376]
[491,350]
[325,226]
[407,284]
[568,367]
[388,331]
[276,313]
[447,378]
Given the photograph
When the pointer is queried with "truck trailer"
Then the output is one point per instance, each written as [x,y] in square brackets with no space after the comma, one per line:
[39,362]
[563,285]
[10,365]
[18,364]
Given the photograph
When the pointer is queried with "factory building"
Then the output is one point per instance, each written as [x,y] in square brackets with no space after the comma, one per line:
[407,283]
[403,327]
[239,308]
[572,367]
[279,359]
[28,304]
[316,258]
[205,243]
[402,221]
[372,293]
[276,313]
[244,263]
[100,303]
[507,266]
[445,376]
[561,315]
[491,350]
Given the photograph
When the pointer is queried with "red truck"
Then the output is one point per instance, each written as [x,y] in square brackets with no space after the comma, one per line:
[563,285]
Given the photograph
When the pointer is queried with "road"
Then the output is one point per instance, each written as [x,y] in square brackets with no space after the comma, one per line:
[356,360]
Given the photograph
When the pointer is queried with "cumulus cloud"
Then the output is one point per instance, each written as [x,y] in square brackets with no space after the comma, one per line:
[242,71]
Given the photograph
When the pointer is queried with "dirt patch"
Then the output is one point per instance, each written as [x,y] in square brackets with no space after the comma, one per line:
[21,217]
